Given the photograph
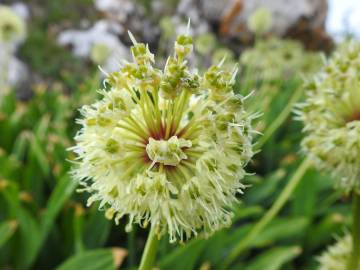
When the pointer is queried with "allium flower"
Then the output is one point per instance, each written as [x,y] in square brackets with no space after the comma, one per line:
[12,27]
[337,256]
[331,115]
[274,59]
[260,21]
[165,147]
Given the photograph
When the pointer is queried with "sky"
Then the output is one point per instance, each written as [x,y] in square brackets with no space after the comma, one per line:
[343,15]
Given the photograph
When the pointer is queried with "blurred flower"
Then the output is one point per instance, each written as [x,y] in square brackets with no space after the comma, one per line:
[205,43]
[276,59]
[165,147]
[117,8]
[337,256]
[14,72]
[12,27]
[99,43]
[331,115]
[260,21]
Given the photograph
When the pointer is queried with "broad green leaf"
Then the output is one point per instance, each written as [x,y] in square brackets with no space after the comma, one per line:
[39,154]
[62,192]
[191,251]
[20,145]
[100,259]
[263,188]
[284,228]
[7,229]
[305,195]
[97,229]
[274,259]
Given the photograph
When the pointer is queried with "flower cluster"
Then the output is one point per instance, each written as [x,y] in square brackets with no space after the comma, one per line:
[276,59]
[337,256]
[165,147]
[331,115]
[12,27]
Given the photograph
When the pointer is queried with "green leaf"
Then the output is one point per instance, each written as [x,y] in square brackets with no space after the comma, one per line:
[7,229]
[285,228]
[62,192]
[40,155]
[30,239]
[20,145]
[190,251]
[305,195]
[29,229]
[97,229]
[100,259]
[274,259]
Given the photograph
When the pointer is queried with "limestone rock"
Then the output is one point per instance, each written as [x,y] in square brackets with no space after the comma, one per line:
[298,19]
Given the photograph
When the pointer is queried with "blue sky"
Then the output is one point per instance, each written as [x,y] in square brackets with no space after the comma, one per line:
[344,14]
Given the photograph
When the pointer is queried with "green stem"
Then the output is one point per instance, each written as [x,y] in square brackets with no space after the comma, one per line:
[132,248]
[270,214]
[354,263]
[149,254]
[280,119]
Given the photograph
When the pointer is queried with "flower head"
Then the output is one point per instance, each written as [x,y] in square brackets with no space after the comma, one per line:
[165,147]
[331,115]
[12,27]
[275,59]
[337,256]
[260,21]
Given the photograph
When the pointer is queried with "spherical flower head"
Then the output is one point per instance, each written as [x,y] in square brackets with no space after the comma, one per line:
[260,21]
[166,147]
[275,59]
[331,116]
[12,27]
[337,256]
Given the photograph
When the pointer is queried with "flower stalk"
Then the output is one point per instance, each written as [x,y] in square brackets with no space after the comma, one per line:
[354,263]
[149,254]
[270,214]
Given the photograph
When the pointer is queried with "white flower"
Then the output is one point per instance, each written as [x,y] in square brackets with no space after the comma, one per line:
[12,26]
[331,115]
[337,256]
[165,147]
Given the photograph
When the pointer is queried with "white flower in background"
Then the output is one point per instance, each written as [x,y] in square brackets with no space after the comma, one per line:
[12,26]
[165,147]
[99,43]
[337,256]
[331,116]
[119,9]
[12,33]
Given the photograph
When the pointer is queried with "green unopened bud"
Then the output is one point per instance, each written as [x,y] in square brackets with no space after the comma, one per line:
[183,46]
